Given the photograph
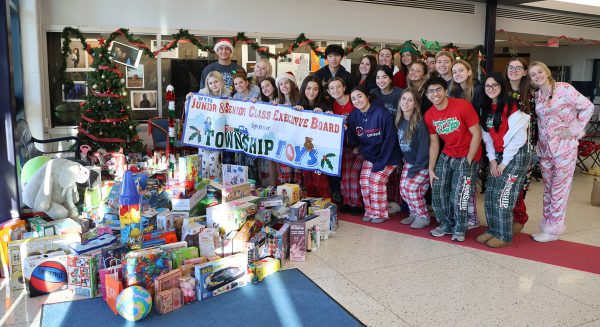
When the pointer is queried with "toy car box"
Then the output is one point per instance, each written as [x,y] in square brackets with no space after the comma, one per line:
[220,276]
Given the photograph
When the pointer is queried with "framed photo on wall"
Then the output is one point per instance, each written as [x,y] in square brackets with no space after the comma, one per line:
[171,54]
[135,77]
[76,94]
[143,100]
[125,54]
[78,60]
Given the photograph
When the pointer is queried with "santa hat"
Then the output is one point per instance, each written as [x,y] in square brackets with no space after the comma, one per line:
[287,75]
[223,42]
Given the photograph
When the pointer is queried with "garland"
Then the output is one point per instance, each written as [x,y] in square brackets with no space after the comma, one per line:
[183,36]
[170,97]
[552,41]
[107,139]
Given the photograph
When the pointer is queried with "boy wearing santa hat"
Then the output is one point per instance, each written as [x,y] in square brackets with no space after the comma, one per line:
[224,50]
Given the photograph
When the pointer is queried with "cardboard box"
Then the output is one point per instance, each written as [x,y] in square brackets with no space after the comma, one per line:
[178,217]
[45,273]
[298,211]
[83,272]
[290,193]
[191,232]
[188,204]
[278,241]
[169,300]
[209,241]
[164,222]
[256,246]
[229,216]
[272,201]
[41,226]
[182,254]
[21,249]
[297,241]
[66,226]
[11,230]
[235,192]
[234,174]
[167,281]
[265,267]
[189,168]
[324,216]
[220,276]
[243,236]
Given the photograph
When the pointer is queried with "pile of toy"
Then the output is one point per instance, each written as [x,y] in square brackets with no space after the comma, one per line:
[151,238]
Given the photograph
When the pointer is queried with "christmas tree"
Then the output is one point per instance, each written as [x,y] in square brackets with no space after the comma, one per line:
[106,120]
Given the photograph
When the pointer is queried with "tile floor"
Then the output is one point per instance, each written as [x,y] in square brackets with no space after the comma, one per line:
[391,279]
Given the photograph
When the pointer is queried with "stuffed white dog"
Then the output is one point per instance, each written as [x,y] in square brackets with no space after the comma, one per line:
[53,188]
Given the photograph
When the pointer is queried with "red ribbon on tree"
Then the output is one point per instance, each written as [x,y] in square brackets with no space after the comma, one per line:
[106,95]
[114,70]
[110,120]
[107,139]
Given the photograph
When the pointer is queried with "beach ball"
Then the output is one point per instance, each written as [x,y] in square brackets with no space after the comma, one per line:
[48,277]
[31,167]
[134,303]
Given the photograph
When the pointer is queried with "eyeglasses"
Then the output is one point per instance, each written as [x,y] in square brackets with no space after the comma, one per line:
[515,69]
[494,86]
[434,91]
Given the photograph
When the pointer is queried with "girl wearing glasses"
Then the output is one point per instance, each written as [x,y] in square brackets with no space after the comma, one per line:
[520,90]
[562,113]
[372,133]
[504,132]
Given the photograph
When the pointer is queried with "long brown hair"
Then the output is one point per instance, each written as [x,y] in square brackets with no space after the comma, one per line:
[294,94]
[524,85]
[456,90]
[425,71]
[416,116]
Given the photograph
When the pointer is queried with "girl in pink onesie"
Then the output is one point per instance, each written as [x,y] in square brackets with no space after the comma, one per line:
[562,114]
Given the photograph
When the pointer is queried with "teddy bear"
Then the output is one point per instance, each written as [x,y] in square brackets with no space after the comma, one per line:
[53,188]
[188,288]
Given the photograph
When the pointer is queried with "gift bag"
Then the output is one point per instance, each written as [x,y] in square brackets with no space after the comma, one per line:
[113,289]
[595,198]
[113,269]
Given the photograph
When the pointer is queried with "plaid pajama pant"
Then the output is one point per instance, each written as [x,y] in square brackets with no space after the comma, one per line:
[557,174]
[350,185]
[316,184]
[501,194]
[393,186]
[287,174]
[453,191]
[413,190]
[374,190]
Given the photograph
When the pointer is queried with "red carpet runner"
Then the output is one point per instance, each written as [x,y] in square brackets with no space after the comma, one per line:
[559,253]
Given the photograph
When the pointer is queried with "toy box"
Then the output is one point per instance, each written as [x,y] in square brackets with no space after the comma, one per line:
[178,217]
[65,226]
[229,216]
[220,276]
[167,281]
[265,267]
[187,204]
[290,193]
[324,216]
[41,226]
[190,233]
[298,211]
[208,242]
[235,192]
[243,236]
[186,253]
[11,230]
[256,246]
[278,241]
[94,244]
[297,241]
[45,273]
[189,168]
[234,175]
[226,248]
[164,222]
[168,237]
[272,201]
[21,249]
[83,272]
[188,288]
[169,300]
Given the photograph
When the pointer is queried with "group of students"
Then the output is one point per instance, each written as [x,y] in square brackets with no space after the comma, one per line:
[414,134]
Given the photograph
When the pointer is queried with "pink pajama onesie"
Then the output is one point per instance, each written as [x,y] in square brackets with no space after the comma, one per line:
[562,118]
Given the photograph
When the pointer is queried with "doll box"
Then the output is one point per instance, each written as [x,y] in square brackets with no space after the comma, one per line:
[83,271]
[45,273]
[189,168]
[220,276]
[297,241]
[298,211]
[265,267]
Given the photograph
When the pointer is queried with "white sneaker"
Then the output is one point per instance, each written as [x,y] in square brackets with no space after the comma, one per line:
[543,237]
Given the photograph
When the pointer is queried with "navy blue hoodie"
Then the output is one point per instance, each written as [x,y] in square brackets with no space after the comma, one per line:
[325,74]
[375,134]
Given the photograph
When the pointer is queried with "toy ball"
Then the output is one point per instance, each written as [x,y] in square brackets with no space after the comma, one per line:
[134,303]
[31,167]
[48,277]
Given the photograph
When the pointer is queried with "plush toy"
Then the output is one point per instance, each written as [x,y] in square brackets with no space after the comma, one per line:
[188,288]
[53,188]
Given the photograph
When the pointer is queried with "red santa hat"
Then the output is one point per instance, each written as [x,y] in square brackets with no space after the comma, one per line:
[223,42]
[287,75]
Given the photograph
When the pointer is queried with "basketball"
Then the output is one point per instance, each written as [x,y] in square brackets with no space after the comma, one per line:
[48,277]
[134,303]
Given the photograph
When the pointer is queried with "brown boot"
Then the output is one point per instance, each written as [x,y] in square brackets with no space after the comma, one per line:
[483,238]
[517,228]
[497,243]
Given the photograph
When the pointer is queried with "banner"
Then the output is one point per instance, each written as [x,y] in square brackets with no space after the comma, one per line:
[301,139]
